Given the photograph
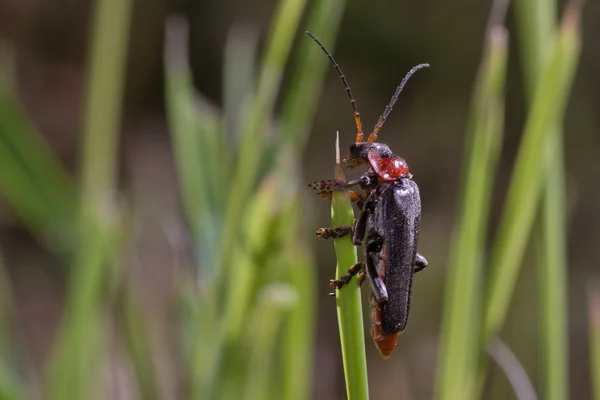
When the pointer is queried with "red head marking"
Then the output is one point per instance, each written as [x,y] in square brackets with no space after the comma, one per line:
[388,168]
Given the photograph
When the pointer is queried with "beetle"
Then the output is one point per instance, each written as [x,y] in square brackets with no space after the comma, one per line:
[387,228]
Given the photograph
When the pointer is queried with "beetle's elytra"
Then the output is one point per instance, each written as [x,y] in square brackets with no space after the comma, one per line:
[387,228]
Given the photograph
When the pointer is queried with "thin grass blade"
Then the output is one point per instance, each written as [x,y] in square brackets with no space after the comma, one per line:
[526,182]
[457,365]
[349,308]
[536,23]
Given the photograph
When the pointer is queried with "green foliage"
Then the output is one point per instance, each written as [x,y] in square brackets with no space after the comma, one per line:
[458,360]
[549,76]
[248,303]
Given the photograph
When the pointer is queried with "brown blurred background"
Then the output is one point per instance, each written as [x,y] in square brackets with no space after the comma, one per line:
[378,42]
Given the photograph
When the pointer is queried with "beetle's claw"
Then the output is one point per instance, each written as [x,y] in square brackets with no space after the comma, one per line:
[323,233]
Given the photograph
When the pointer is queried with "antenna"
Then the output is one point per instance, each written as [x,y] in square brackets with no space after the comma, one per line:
[388,108]
[359,135]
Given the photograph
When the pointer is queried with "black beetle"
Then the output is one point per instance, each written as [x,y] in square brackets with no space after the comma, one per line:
[388,227]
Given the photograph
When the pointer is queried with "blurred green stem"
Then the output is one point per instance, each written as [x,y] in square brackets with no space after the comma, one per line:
[81,351]
[299,329]
[285,23]
[536,22]
[457,364]
[548,106]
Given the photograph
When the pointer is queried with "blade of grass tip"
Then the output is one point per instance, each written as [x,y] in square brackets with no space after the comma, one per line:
[300,104]
[299,328]
[349,308]
[457,365]
[526,182]
[594,334]
[536,23]
[199,161]
[183,121]
[513,370]
[284,25]
[238,77]
[81,347]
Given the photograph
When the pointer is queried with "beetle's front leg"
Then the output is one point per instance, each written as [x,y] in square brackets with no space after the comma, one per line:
[420,263]
[345,279]
[334,233]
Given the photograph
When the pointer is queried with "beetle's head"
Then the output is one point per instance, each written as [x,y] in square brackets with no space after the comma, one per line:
[359,153]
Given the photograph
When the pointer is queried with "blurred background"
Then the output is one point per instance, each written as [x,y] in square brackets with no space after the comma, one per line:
[145,306]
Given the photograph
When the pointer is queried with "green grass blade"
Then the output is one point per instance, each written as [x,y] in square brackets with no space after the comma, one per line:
[552,275]
[273,302]
[33,182]
[10,387]
[199,158]
[350,317]
[524,192]
[183,122]
[238,78]
[457,365]
[536,21]
[82,342]
[299,328]
[281,36]
[138,345]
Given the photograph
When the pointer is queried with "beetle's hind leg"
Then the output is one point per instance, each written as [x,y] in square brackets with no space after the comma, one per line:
[420,263]
[345,279]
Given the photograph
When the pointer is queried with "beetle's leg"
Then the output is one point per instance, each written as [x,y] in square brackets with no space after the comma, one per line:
[326,188]
[357,198]
[377,286]
[360,227]
[361,278]
[345,279]
[333,233]
[420,263]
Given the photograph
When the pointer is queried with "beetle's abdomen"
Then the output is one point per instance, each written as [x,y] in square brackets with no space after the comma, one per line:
[385,342]
[399,212]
